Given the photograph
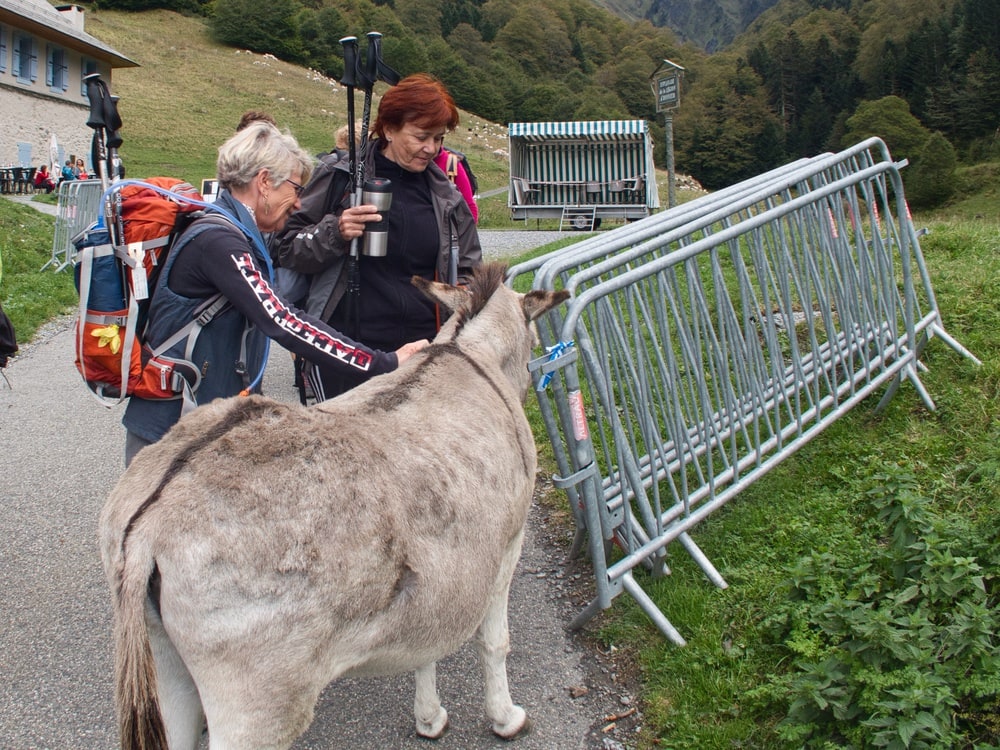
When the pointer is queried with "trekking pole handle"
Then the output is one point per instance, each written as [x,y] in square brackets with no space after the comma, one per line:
[112,121]
[374,54]
[350,77]
[378,70]
[95,93]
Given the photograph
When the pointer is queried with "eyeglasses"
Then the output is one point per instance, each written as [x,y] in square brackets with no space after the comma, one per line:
[298,188]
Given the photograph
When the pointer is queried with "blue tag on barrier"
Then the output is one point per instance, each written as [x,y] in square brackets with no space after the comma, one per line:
[555,352]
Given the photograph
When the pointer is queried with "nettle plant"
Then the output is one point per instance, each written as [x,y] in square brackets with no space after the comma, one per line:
[894,647]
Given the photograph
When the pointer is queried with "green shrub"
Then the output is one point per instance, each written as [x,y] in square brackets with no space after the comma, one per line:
[265,26]
[892,647]
[932,180]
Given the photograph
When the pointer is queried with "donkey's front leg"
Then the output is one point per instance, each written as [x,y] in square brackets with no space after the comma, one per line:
[431,717]
[493,641]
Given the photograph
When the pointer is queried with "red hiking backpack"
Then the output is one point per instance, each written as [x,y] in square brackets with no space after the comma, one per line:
[114,281]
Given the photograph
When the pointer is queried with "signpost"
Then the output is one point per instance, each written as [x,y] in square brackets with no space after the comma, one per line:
[666,83]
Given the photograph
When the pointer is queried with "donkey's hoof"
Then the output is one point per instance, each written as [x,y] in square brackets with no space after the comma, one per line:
[433,728]
[517,724]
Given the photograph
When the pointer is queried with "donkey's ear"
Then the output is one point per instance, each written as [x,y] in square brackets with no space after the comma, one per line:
[451,297]
[537,302]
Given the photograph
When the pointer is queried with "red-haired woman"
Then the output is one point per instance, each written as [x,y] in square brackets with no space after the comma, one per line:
[430,229]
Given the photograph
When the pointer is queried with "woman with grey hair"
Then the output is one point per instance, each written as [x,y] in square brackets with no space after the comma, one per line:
[214,272]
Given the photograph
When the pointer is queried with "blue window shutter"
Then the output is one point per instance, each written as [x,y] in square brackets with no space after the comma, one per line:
[15,66]
[34,60]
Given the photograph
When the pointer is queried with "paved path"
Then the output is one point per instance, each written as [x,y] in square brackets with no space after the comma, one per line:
[47,208]
[62,452]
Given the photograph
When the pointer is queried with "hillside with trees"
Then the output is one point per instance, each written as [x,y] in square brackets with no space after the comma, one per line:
[806,76]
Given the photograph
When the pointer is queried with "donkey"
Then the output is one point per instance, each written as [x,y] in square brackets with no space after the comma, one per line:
[263,549]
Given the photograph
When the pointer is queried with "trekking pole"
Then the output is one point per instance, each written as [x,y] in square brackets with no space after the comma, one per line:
[370,74]
[113,139]
[367,81]
[375,70]
[101,110]
[381,71]
[98,147]
[350,80]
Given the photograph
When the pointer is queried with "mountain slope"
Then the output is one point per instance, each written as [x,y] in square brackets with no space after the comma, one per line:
[709,24]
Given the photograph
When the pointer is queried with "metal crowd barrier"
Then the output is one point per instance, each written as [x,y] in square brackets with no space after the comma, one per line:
[700,350]
[79,206]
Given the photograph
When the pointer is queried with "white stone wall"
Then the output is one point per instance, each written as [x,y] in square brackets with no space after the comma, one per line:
[26,117]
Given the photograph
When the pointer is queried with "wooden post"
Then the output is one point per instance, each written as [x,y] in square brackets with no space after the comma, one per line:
[666,84]
[668,127]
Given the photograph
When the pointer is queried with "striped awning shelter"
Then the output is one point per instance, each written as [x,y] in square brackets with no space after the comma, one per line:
[604,162]
[587,130]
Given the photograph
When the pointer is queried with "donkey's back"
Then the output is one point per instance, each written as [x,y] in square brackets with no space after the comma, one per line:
[262,550]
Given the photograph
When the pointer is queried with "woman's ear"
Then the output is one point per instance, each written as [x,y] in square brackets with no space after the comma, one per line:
[263,181]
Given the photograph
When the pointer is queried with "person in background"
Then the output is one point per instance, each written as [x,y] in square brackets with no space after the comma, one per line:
[455,171]
[81,170]
[254,115]
[342,139]
[260,172]
[67,172]
[43,179]
[429,227]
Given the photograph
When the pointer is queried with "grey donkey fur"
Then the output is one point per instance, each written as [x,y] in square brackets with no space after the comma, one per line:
[263,549]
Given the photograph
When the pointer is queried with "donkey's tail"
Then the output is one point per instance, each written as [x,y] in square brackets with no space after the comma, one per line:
[139,721]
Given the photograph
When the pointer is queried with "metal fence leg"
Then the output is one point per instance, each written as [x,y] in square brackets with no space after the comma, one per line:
[703,562]
[649,607]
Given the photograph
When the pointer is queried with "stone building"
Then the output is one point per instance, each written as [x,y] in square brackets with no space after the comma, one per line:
[44,55]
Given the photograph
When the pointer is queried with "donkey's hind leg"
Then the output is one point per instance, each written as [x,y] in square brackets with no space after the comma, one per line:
[250,712]
[493,641]
[431,717]
[180,705]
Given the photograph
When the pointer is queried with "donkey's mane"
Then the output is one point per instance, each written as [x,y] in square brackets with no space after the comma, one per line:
[486,279]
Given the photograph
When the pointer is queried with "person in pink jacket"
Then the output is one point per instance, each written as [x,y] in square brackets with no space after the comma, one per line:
[456,173]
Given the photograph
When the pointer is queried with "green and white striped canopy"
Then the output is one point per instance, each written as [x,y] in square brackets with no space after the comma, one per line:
[592,130]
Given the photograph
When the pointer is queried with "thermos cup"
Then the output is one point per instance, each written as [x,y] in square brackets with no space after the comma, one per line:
[377,192]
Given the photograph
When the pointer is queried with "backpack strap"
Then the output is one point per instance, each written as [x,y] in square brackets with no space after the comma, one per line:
[340,183]
[451,166]
[186,377]
[97,244]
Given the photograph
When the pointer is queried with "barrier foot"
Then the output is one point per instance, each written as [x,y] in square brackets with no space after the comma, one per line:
[586,615]
[702,560]
[910,374]
[649,607]
[577,547]
[951,341]
[887,396]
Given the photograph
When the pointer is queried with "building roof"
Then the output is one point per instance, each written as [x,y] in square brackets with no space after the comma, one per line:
[39,17]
